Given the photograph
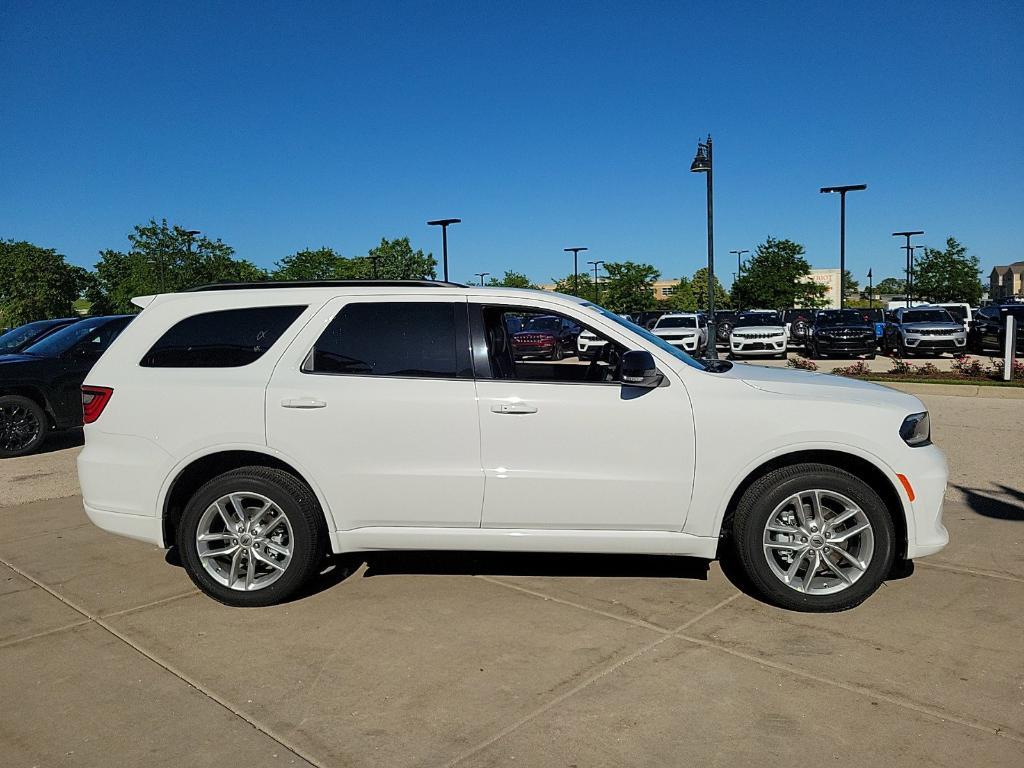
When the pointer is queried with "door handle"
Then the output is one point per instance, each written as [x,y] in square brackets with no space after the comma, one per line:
[513,408]
[303,402]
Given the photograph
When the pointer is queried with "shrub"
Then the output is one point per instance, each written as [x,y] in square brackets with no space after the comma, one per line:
[1016,370]
[802,363]
[900,367]
[860,368]
[928,369]
[970,367]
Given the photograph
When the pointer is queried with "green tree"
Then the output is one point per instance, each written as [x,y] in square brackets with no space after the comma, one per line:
[629,286]
[948,275]
[891,286]
[699,286]
[320,264]
[396,260]
[682,298]
[850,283]
[163,259]
[775,278]
[568,286]
[512,280]
[36,283]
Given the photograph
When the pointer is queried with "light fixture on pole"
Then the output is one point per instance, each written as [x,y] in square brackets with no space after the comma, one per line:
[871,292]
[595,265]
[842,233]
[909,286]
[481,275]
[575,267]
[702,163]
[444,224]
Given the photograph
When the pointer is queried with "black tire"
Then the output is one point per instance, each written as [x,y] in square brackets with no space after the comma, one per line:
[557,353]
[295,500]
[23,426]
[901,348]
[782,356]
[759,502]
[815,354]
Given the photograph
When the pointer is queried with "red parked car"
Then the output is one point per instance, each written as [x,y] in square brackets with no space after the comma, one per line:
[545,336]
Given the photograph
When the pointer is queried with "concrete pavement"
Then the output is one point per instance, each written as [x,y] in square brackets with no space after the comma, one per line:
[108,656]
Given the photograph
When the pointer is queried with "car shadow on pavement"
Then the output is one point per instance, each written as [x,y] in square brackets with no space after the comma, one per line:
[1005,504]
[534,564]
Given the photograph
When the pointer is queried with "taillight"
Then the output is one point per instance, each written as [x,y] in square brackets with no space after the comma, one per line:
[94,400]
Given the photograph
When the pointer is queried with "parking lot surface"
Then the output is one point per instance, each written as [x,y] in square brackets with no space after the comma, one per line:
[108,656]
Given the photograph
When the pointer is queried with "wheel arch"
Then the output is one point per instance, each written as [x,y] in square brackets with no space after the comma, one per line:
[33,393]
[197,470]
[858,466]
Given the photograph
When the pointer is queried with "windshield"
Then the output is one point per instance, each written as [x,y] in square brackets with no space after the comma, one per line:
[843,317]
[541,324]
[677,322]
[958,313]
[16,338]
[58,343]
[757,318]
[927,316]
[660,343]
[792,315]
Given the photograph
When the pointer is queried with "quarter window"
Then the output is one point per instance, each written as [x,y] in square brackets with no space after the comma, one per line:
[416,339]
[227,338]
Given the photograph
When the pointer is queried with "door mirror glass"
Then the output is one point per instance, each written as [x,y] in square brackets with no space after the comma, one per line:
[639,370]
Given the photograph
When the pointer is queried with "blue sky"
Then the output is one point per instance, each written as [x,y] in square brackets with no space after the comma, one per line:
[541,125]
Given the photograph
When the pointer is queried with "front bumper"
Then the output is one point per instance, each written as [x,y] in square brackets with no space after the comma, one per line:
[927,473]
[685,343]
[846,346]
[769,346]
[952,343]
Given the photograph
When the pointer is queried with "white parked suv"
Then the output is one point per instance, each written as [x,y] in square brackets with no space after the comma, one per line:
[686,330]
[258,428]
[759,332]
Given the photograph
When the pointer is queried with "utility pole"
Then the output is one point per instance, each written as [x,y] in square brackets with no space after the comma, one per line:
[909,287]
[739,271]
[482,275]
[597,291]
[443,224]
[575,267]
[702,163]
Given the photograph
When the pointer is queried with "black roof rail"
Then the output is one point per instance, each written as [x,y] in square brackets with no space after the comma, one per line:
[325,284]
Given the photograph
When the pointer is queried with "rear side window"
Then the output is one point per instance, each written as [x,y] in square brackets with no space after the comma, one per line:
[228,338]
[419,339]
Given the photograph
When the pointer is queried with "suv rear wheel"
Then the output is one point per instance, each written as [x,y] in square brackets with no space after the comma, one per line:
[23,426]
[253,536]
[814,538]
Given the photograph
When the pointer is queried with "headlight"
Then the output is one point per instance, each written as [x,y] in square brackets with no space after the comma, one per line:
[916,430]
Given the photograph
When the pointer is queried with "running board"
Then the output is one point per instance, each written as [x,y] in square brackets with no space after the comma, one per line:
[525,540]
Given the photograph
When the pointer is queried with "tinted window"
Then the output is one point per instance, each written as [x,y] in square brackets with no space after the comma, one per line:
[843,317]
[91,336]
[927,316]
[394,339]
[224,339]
[18,338]
[757,318]
[677,322]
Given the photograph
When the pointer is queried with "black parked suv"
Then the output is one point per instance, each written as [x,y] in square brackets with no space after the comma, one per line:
[842,332]
[988,329]
[22,337]
[40,387]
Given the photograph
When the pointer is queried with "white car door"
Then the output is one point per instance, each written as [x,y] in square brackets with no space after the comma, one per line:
[566,453]
[375,399]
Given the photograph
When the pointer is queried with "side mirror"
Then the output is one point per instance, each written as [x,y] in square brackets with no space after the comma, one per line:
[639,370]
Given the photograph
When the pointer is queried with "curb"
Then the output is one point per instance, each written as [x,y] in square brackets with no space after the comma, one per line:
[957,390]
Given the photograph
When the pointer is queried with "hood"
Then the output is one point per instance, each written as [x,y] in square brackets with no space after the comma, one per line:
[822,386]
[17,358]
[933,326]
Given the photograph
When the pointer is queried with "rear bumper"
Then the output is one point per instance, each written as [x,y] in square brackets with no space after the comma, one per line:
[140,527]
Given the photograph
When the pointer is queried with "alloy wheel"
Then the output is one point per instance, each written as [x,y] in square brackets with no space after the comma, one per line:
[244,541]
[818,542]
[19,427]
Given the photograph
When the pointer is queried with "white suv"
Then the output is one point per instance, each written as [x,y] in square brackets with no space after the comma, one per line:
[259,427]
[686,330]
[758,332]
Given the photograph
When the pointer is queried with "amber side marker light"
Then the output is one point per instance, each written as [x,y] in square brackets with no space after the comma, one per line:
[906,486]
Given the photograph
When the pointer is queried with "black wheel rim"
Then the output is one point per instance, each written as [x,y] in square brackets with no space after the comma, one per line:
[19,427]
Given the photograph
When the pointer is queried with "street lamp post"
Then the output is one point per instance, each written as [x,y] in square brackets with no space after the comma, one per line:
[739,271]
[871,292]
[597,294]
[842,233]
[443,224]
[575,267]
[909,287]
[702,162]
[481,275]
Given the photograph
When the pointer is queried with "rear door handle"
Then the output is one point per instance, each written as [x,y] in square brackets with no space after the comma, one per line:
[303,402]
[513,408]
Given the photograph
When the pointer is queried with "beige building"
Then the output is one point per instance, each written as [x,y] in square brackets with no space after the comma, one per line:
[831,279]
[1007,282]
[663,289]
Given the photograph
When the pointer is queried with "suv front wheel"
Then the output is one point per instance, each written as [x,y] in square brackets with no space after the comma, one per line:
[813,537]
[252,537]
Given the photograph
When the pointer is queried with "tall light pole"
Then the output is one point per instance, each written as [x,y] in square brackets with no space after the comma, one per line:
[443,224]
[739,271]
[909,287]
[842,233]
[702,164]
[871,292]
[481,275]
[595,265]
[575,267]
